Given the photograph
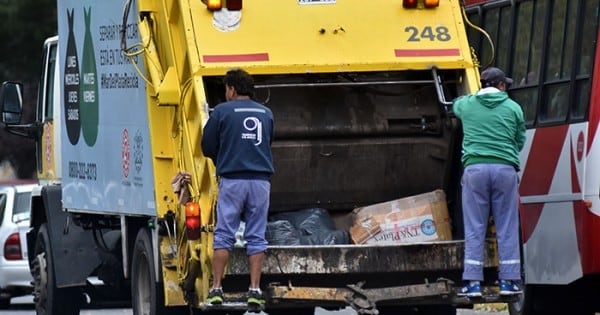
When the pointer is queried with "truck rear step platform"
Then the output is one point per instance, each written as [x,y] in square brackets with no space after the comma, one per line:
[364,301]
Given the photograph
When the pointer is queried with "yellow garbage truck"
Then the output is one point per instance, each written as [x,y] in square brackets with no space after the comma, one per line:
[361,93]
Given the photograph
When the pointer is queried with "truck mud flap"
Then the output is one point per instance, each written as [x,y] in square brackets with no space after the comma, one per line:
[73,249]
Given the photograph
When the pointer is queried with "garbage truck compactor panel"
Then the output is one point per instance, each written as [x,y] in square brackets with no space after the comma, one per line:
[361,94]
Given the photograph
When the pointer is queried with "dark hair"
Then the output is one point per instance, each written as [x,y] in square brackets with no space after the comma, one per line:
[240,81]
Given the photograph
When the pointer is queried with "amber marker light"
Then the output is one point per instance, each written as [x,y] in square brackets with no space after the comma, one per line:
[192,220]
[431,3]
[213,5]
[587,203]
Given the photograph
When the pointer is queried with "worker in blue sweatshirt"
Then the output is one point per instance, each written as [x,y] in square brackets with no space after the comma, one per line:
[237,137]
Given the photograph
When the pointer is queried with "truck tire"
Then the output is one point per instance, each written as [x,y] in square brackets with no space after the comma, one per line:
[146,292]
[437,310]
[524,305]
[551,300]
[48,299]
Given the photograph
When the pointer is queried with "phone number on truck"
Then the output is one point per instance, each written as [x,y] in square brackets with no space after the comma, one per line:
[82,170]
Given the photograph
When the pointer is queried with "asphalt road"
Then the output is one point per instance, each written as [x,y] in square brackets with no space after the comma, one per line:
[24,306]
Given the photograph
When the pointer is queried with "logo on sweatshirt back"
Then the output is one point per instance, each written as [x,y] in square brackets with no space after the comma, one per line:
[254,128]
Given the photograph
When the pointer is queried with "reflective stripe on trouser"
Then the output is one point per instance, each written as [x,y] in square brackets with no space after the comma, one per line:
[492,187]
[247,199]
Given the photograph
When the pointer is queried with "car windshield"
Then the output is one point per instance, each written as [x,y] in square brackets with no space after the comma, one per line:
[21,211]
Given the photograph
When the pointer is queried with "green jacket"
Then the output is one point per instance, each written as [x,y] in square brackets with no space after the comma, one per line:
[493,127]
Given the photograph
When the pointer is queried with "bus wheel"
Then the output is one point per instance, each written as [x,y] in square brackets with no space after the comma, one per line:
[146,292]
[48,299]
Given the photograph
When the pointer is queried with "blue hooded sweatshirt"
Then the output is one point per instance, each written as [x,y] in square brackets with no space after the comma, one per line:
[237,137]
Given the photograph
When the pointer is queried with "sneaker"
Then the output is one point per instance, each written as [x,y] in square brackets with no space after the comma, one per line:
[255,298]
[215,296]
[470,289]
[509,287]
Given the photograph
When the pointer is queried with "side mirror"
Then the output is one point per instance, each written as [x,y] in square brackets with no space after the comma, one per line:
[11,103]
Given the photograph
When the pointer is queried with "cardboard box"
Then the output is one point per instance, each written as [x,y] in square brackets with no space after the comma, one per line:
[418,218]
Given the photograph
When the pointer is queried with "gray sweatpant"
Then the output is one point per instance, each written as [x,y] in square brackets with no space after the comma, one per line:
[247,199]
[492,187]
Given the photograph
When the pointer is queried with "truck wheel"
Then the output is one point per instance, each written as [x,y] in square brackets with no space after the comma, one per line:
[523,305]
[550,300]
[437,310]
[146,292]
[48,299]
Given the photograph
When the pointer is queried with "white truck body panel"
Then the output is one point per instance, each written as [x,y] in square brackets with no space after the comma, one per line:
[105,153]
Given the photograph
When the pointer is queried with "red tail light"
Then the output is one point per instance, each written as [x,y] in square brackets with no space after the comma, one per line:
[409,3]
[192,220]
[12,247]
[234,5]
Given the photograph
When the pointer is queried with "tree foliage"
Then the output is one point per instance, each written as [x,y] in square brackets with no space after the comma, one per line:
[24,25]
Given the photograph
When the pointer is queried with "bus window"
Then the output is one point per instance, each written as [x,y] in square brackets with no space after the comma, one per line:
[555,68]
[556,103]
[570,37]
[535,57]
[590,25]
[582,99]
[527,98]
[490,24]
[585,60]
[503,44]
[549,54]
[522,46]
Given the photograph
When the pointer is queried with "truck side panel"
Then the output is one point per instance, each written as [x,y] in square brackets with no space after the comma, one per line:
[105,140]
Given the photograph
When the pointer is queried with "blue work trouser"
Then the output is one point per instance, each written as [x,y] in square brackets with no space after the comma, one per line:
[247,199]
[492,187]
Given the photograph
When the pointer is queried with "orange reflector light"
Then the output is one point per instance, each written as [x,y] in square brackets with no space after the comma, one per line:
[432,3]
[409,3]
[234,5]
[587,203]
[192,220]
[213,5]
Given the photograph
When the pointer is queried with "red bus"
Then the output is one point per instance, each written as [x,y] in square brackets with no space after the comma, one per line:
[549,48]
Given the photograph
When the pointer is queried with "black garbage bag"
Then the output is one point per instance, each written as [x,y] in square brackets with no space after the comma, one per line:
[307,220]
[326,237]
[282,232]
[314,226]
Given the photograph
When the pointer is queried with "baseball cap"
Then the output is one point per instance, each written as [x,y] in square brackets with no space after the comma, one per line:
[492,76]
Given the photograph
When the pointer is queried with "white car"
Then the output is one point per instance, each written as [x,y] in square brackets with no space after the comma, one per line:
[15,278]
